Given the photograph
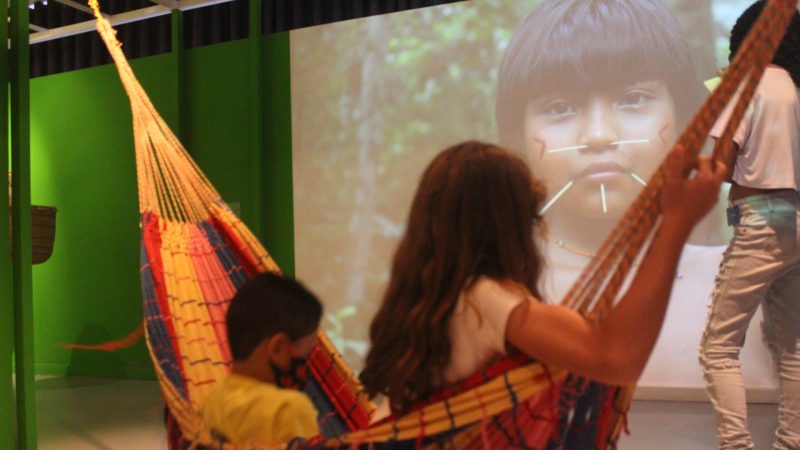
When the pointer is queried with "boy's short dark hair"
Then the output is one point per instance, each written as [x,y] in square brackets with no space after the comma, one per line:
[266,305]
[788,53]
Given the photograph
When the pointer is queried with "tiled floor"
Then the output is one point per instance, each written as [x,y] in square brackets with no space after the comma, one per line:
[99,414]
[658,425]
[96,414]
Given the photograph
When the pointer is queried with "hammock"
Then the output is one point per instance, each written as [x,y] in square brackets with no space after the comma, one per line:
[195,253]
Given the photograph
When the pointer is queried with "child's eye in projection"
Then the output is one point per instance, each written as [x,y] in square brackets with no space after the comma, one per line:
[559,108]
[634,99]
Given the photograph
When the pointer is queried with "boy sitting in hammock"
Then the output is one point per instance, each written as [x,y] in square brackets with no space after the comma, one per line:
[272,328]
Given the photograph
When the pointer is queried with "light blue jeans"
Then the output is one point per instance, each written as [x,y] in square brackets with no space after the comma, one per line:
[760,267]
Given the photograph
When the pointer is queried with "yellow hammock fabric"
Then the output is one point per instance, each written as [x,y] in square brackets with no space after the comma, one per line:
[196,252]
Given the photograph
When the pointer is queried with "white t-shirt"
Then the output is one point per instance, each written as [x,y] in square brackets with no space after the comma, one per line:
[477,328]
[768,135]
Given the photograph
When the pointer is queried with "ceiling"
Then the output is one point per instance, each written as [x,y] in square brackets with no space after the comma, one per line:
[64,37]
[55,19]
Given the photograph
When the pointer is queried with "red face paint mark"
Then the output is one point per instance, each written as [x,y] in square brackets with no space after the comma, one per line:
[541,144]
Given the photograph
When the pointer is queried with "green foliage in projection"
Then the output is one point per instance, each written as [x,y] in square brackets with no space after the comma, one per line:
[371,116]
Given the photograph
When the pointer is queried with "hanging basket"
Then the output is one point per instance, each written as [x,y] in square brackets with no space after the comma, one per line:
[43,232]
[43,229]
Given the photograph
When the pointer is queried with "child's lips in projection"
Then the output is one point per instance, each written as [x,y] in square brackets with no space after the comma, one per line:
[603,171]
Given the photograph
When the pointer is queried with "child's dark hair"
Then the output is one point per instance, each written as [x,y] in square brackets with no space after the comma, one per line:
[788,54]
[266,305]
[593,45]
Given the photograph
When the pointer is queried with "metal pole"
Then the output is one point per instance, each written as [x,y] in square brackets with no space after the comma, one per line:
[257,121]
[177,53]
[21,226]
[7,428]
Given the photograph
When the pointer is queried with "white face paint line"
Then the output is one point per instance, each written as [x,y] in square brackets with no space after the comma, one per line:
[603,197]
[566,149]
[639,179]
[631,141]
[557,196]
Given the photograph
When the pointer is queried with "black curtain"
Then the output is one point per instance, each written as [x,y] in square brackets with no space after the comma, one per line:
[283,15]
[148,37]
[202,26]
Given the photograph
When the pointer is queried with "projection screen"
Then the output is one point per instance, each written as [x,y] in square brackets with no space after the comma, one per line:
[374,99]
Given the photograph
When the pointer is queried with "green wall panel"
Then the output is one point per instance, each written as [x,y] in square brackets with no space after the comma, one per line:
[216,120]
[83,163]
[279,211]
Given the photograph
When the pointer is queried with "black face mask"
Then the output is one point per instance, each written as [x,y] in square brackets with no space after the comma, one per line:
[295,377]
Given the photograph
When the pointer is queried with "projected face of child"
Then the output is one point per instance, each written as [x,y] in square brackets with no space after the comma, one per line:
[596,150]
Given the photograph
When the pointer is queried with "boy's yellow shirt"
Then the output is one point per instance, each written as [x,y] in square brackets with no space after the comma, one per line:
[244,409]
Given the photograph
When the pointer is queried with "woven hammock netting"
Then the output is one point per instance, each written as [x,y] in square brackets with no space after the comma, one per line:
[195,253]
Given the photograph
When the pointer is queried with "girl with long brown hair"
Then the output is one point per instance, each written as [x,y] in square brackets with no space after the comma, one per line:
[464,280]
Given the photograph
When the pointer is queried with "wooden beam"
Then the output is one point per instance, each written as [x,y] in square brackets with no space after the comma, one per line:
[171,4]
[89,25]
[186,5]
[121,18]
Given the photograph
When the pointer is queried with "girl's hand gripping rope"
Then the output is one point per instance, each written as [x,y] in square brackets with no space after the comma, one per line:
[691,188]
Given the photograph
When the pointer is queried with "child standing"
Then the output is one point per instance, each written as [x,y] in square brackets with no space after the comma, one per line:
[762,263]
